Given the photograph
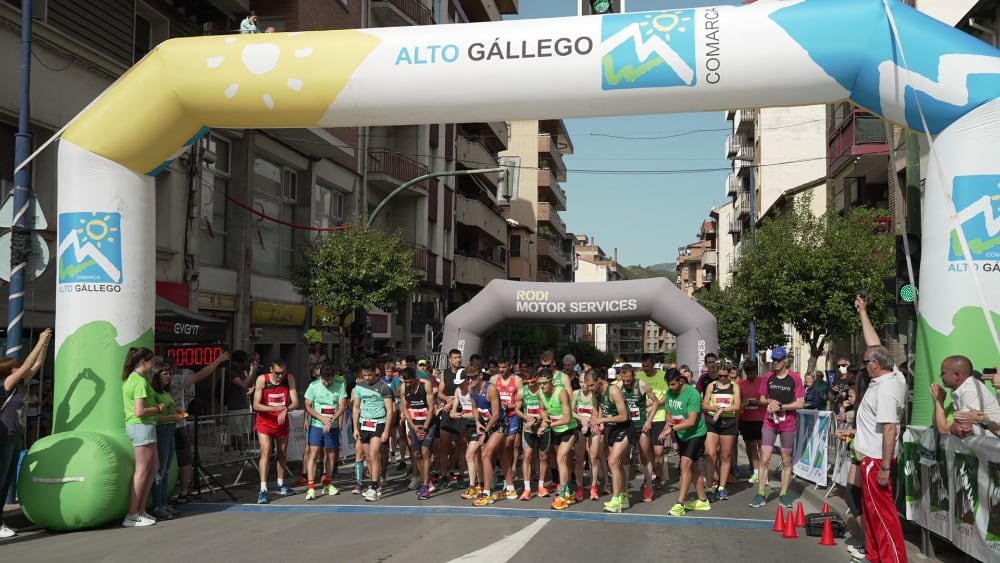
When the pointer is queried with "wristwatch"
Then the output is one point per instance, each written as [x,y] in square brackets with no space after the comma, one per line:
[985,423]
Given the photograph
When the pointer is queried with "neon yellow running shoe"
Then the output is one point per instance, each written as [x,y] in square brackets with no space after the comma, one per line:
[614,506]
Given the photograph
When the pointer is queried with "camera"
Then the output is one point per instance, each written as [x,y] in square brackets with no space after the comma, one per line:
[989,371]
[864,290]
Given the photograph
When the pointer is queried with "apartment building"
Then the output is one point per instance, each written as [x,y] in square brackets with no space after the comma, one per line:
[217,262]
[594,265]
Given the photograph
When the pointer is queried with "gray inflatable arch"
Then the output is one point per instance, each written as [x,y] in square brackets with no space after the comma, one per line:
[654,299]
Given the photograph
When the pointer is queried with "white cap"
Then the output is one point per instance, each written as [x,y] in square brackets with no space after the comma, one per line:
[459,379]
[612,373]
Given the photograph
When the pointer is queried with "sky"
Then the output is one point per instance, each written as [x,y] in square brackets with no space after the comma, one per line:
[646,216]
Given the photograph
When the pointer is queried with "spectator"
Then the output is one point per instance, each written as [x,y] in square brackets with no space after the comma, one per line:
[141,411]
[236,401]
[317,356]
[166,425]
[13,392]
[816,391]
[249,24]
[975,408]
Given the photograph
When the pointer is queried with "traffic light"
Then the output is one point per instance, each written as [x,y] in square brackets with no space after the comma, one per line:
[600,7]
[906,289]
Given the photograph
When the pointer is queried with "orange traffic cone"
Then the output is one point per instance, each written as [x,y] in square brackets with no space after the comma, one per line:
[800,517]
[826,507]
[789,531]
[779,521]
[827,538]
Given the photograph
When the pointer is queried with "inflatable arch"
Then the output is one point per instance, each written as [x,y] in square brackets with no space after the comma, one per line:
[635,300]
[882,55]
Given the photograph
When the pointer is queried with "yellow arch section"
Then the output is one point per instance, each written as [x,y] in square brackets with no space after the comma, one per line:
[238,81]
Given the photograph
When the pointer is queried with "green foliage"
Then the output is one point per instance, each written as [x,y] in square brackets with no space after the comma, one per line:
[733,312]
[587,353]
[356,268]
[806,270]
[530,340]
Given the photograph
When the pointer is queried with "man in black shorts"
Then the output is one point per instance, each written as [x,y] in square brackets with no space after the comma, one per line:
[448,454]
[614,416]
[687,422]
[752,416]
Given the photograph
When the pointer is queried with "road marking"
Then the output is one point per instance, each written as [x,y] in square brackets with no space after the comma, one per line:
[382,509]
[505,549]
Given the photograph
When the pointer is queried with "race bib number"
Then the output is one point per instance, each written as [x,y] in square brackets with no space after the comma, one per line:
[585,410]
[778,417]
[369,425]
[275,401]
[676,419]
[327,410]
[484,413]
[534,411]
[506,399]
[419,415]
[723,401]
[634,412]
[466,412]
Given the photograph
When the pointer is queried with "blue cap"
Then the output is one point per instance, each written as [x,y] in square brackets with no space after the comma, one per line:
[779,353]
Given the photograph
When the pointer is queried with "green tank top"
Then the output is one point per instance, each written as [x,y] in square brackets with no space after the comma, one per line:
[554,406]
[584,408]
[608,407]
[532,407]
[636,403]
[557,380]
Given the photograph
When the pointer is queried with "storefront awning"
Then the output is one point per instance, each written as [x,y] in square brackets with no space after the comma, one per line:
[177,324]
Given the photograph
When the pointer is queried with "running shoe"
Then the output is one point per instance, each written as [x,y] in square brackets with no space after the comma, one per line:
[543,491]
[786,501]
[857,551]
[325,481]
[331,491]
[613,506]
[6,532]
[431,488]
[526,495]
[698,504]
[137,521]
[569,496]
[262,498]
[423,493]
[381,481]
[401,466]
[285,490]
[183,499]
[370,494]
[606,490]
[677,510]
[462,483]
[311,494]
[483,499]
[623,500]
[710,492]
[647,494]
[559,503]
[173,512]
[435,479]
[357,489]
[471,493]
[594,493]
[580,495]
[658,484]
[414,483]
[723,494]
[511,494]
[302,482]
[753,478]
[758,501]
[161,514]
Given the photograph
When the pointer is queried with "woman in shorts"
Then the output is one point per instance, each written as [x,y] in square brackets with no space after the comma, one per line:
[141,412]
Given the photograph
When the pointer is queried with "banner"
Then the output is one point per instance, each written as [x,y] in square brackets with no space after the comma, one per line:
[842,455]
[812,445]
[958,497]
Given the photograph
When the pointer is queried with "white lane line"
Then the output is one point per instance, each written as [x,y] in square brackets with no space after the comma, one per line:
[505,549]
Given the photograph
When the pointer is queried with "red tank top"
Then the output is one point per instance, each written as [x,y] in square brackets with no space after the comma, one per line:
[508,393]
[274,395]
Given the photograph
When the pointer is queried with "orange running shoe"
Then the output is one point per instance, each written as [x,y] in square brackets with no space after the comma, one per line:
[594,493]
[579,494]
[647,494]
[543,492]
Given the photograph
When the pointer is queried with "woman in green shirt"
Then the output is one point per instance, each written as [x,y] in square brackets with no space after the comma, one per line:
[166,423]
[141,410]
[564,431]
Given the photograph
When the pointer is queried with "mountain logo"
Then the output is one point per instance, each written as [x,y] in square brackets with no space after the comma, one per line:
[977,201]
[649,50]
[90,250]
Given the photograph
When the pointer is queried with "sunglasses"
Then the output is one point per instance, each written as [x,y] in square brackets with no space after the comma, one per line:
[866,362]
[278,373]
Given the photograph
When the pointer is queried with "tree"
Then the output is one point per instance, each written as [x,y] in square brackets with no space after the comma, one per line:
[586,353]
[358,267]
[805,270]
[733,313]
[528,341]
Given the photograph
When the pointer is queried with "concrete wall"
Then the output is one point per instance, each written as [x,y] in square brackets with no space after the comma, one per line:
[792,150]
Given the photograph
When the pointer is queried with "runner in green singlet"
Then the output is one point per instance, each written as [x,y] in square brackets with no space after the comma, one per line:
[590,445]
[642,405]
[536,436]
[563,424]
[613,419]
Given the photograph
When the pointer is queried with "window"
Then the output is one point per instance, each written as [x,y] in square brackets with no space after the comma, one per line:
[274,189]
[214,189]
[328,207]
[515,246]
[151,29]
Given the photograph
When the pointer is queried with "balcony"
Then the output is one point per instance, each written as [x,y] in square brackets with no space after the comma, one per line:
[476,271]
[709,259]
[388,169]
[742,168]
[860,134]
[397,13]
[499,130]
[741,206]
[735,226]
[508,6]
[552,251]
[547,214]
[734,184]
[419,258]
[547,276]
[550,191]
[482,216]
[548,151]
[481,10]
[730,115]
[734,258]
[473,155]
[745,120]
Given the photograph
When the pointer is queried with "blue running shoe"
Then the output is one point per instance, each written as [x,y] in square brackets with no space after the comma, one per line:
[262,498]
[285,490]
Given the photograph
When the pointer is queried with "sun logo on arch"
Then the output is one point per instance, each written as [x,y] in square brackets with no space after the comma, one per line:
[648,50]
[97,231]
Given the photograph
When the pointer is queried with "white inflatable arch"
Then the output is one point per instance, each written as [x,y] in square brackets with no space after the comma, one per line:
[884,56]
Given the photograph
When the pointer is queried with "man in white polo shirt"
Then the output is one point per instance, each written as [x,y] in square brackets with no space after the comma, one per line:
[877,418]
[975,408]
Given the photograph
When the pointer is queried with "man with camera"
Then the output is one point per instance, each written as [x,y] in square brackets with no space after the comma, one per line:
[975,409]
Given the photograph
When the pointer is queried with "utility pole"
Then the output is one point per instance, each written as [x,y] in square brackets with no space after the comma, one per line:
[402,187]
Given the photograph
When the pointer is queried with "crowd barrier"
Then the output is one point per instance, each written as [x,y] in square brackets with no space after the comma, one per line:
[811,454]
[957,497]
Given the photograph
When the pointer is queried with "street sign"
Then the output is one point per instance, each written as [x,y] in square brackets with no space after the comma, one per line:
[34,221]
[37,262]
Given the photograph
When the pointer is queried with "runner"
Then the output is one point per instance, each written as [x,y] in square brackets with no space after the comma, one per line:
[536,434]
[449,454]
[563,427]
[274,395]
[372,408]
[751,420]
[686,421]
[614,418]
[642,405]
[326,401]
[783,393]
[591,442]
[418,409]
[507,385]
[657,381]
[489,427]
[464,413]
[722,404]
